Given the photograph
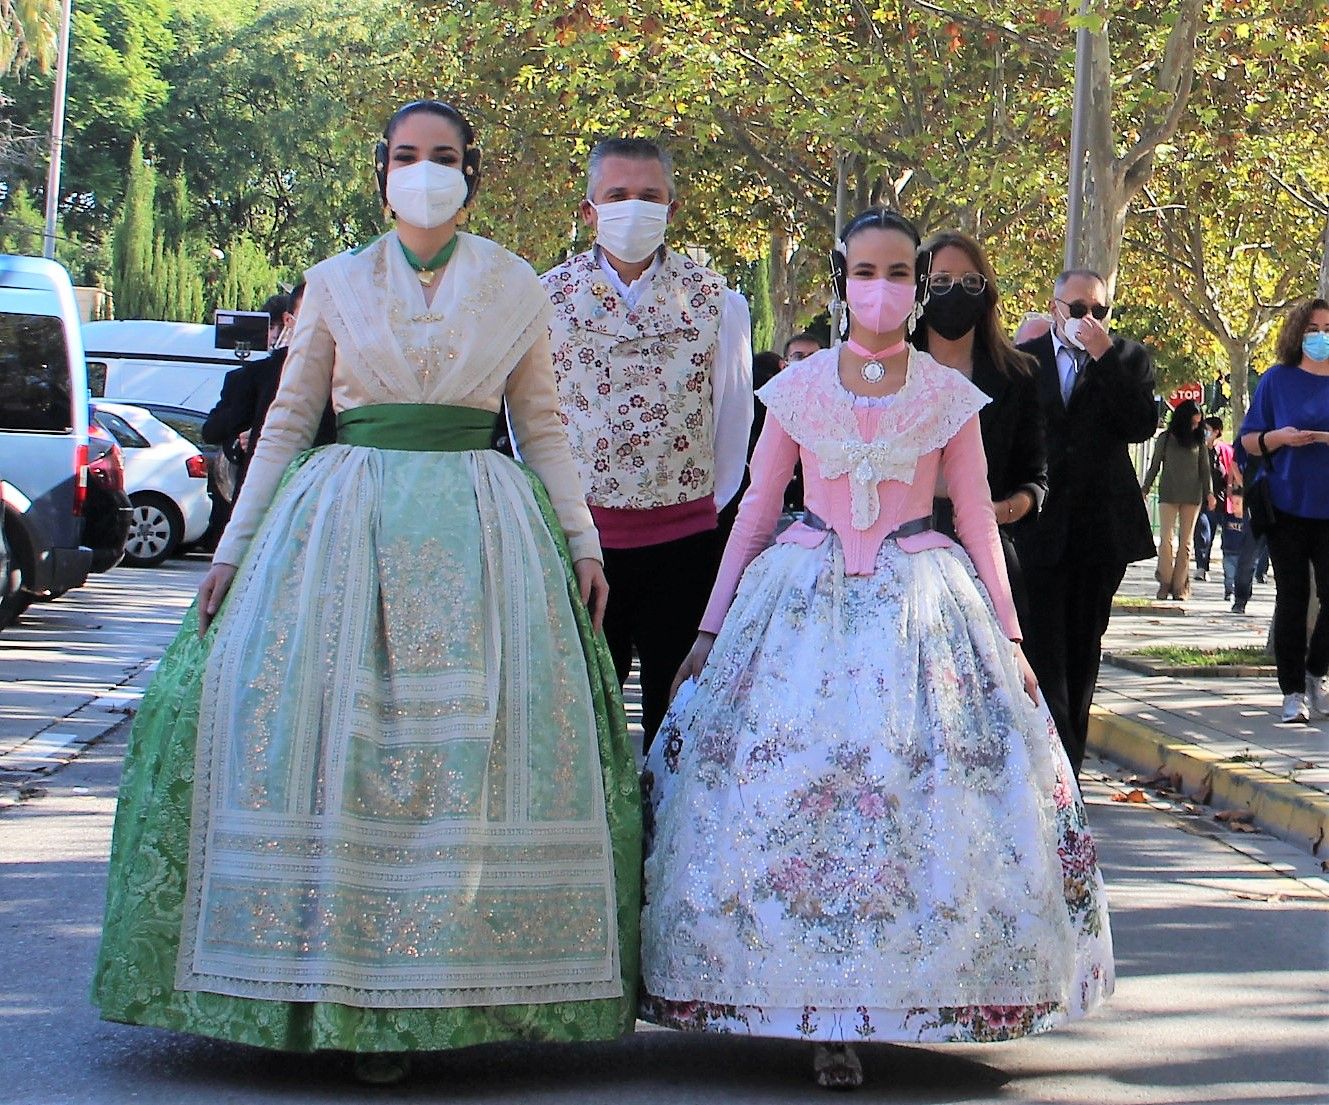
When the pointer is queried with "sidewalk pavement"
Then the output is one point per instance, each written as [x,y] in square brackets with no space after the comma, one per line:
[1216,738]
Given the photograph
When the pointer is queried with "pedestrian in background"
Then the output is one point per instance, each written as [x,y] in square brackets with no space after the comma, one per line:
[1210,522]
[962,330]
[801,345]
[1184,487]
[1097,395]
[1288,424]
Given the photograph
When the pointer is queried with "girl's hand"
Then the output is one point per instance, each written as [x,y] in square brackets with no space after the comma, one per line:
[211,592]
[1027,675]
[594,589]
[693,662]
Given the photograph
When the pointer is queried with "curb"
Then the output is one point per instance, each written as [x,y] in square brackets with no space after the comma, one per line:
[1289,810]
[1144,666]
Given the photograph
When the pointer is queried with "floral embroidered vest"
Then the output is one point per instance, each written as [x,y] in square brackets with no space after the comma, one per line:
[634,384]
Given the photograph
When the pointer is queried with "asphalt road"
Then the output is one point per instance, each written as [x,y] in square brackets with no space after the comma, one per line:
[1222,947]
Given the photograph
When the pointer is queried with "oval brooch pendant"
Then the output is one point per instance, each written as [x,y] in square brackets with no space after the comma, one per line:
[872,372]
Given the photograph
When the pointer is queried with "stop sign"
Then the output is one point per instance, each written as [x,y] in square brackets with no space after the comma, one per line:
[1193,392]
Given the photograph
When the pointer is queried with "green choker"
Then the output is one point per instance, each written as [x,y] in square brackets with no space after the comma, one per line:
[425,271]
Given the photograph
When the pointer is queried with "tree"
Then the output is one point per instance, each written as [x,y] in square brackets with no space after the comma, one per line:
[28,32]
[21,223]
[133,280]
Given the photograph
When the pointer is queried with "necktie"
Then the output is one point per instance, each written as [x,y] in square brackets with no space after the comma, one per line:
[1078,358]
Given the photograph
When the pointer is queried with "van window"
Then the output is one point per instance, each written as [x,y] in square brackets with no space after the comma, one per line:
[97,379]
[34,374]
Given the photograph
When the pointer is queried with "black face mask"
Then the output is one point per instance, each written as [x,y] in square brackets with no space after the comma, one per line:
[954,313]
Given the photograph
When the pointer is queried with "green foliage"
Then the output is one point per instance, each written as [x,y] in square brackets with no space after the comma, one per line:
[248,278]
[134,281]
[758,290]
[21,223]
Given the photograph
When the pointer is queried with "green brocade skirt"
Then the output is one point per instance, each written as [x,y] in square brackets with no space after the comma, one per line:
[150,887]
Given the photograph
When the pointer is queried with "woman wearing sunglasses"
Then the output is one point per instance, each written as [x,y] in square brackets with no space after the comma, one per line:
[962,330]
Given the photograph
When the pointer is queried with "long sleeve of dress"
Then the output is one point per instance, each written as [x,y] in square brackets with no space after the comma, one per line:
[964,466]
[731,394]
[291,424]
[532,403]
[771,468]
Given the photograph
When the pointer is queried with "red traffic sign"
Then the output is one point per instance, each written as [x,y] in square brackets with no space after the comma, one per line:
[1193,392]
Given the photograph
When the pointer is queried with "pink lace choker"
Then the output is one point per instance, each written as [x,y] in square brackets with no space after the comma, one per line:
[872,370]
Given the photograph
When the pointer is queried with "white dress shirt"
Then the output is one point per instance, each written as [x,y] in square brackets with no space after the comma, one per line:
[731,378]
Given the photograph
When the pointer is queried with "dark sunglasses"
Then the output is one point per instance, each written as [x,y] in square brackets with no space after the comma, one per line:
[1079,310]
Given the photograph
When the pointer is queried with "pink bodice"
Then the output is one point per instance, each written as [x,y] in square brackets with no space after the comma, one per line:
[867,469]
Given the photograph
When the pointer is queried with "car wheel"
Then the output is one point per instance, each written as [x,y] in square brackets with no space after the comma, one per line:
[155,529]
[16,598]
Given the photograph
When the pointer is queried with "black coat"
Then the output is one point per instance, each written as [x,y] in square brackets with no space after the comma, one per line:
[1014,438]
[1094,510]
[247,393]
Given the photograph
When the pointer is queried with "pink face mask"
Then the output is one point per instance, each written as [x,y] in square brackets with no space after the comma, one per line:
[880,305]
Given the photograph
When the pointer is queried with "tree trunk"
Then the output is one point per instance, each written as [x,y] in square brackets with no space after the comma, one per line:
[1239,368]
[1323,286]
[784,289]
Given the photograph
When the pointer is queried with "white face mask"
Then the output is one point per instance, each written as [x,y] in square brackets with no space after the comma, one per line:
[425,193]
[631,229]
[1070,330]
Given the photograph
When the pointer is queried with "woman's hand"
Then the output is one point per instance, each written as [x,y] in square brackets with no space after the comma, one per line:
[211,592]
[594,589]
[1210,502]
[1289,435]
[693,662]
[1027,675]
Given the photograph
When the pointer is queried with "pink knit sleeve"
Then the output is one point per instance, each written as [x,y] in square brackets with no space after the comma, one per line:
[771,468]
[965,467]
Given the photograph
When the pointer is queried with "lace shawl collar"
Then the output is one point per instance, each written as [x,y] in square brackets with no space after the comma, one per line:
[487,311]
[817,411]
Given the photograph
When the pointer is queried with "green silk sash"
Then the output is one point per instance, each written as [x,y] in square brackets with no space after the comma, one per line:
[417,427]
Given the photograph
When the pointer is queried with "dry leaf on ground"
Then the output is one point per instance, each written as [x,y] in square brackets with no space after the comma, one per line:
[1135,796]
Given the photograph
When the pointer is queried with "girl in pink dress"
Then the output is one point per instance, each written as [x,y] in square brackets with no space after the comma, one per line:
[862,825]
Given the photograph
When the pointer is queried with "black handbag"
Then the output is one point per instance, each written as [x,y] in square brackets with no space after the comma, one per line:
[1257,502]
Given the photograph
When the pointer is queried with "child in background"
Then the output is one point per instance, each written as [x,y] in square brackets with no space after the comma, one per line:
[1234,538]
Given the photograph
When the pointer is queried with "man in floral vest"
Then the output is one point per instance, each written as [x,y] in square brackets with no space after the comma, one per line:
[653,361]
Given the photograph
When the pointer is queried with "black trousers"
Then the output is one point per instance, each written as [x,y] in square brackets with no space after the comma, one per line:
[657,596]
[1069,607]
[1299,547]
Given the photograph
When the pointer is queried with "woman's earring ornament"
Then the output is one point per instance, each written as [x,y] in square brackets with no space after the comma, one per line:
[844,318]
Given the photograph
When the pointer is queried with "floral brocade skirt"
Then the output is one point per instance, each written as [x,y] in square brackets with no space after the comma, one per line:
[858,825]
[388,802]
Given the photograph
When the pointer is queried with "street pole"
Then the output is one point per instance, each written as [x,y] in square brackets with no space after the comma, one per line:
[841,216]
[57,131]
[1079,143]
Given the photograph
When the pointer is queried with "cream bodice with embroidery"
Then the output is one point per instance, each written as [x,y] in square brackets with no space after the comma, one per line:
[366,335]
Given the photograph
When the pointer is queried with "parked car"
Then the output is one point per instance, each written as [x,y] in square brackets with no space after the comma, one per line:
[43,431]
[106,515]
[221,469]
[143,361]
[166,479]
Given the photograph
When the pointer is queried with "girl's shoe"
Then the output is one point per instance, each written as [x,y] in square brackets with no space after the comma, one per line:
[382,1068]
[837,1067]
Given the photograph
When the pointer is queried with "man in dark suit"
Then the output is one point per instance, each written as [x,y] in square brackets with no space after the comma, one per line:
[1097,395]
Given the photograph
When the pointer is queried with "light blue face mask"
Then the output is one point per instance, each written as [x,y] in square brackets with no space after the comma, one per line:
[1316,346]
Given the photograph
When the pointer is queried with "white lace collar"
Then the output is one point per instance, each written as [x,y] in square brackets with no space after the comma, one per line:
[817,411]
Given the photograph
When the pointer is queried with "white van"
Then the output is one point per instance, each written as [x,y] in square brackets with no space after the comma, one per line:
[43,431]
[142,361]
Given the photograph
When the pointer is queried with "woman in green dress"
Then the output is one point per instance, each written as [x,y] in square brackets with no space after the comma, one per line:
[379,797]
